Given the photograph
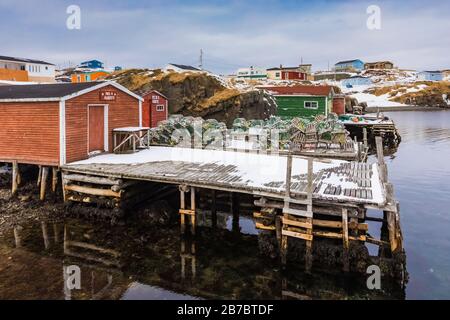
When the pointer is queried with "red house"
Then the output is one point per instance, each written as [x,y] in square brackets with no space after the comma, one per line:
[155,108]
[55,124]
[286,73]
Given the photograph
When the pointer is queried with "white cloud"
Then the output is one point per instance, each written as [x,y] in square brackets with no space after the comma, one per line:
[413,36]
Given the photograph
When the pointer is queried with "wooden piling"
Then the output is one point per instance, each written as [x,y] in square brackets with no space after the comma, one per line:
[43,183]
[309,220]
[193,205]
[15,179]
[39,177]
[345,256]
[182,207]
[54,179]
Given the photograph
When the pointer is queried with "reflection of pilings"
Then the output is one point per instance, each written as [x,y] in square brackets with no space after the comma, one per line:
[56,232]
[188,251]
[45,235]
[213,209]
[17,237]
[234,204]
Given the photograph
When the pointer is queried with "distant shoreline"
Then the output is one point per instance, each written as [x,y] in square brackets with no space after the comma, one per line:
[403,108]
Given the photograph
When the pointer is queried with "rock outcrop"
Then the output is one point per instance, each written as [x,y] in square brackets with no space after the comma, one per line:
[199,94]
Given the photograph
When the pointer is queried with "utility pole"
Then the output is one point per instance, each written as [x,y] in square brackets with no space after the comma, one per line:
[201,60]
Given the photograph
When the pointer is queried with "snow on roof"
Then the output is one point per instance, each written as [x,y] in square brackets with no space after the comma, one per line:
[347,61]
[185,67]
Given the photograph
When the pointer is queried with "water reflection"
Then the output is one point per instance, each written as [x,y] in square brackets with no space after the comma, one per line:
[140,262]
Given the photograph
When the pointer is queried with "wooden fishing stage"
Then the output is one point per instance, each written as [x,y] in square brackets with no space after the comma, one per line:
[297,197]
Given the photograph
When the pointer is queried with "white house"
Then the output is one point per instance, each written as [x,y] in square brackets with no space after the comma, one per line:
[430,76]
[252,73]
[20,69]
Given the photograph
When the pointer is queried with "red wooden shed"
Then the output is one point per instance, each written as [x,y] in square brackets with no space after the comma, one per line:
[155,108]
[55,124]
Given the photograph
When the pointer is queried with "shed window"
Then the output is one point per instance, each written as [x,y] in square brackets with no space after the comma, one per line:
[160,107]
[311,105]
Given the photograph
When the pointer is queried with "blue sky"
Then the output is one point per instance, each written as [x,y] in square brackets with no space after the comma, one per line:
[232,34]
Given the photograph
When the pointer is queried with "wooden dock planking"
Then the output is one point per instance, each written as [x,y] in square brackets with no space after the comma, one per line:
[228,178]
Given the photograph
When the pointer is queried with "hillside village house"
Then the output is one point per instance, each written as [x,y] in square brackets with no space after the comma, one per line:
[349,65]
[252,73]
[20,69]
[181,68]
[88,76]
[155,108]
[378,65]
[286,73]
[92,64]
[430,76]
[303,101]
[54,124]
[356,81]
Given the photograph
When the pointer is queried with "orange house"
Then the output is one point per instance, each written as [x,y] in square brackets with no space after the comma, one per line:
[88,76]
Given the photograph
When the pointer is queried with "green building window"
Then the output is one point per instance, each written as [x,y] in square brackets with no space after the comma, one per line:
[311,105]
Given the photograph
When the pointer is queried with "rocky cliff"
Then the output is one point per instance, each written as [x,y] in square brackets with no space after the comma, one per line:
[199,94]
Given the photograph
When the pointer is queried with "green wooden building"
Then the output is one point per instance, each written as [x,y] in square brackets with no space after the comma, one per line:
[303,101]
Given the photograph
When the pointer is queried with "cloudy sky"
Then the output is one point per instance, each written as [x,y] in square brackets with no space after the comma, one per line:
[237,33]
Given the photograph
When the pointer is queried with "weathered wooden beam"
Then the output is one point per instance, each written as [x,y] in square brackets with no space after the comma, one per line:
[298,235]
[93,191]
[92,179]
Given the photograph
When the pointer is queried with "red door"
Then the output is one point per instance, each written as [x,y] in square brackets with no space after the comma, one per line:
[96,128]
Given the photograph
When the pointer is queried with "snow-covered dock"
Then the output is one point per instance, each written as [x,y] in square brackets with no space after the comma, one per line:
[296,197]
[258,174]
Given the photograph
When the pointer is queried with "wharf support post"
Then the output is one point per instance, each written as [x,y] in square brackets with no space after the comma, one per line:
[184,212]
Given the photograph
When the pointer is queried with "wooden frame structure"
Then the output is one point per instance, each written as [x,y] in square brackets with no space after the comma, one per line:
[128,140]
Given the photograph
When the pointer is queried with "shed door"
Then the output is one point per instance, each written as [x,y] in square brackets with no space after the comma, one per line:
[96,128]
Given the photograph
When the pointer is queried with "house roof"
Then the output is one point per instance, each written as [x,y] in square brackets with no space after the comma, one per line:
[427,71]
[347,61]
[377,62]
[54,91]
[300,90]
[154,91]
[14,59]
[185,67]
[85,62]
[283,68]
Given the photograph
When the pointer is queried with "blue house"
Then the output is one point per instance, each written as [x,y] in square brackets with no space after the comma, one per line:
[92,64]
[356,81]
[349,65]
[430,76]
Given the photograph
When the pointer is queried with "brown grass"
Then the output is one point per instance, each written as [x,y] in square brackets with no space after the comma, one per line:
[217,98]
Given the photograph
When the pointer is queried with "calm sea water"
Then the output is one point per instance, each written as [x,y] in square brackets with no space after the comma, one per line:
[420,172]
[139,261]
